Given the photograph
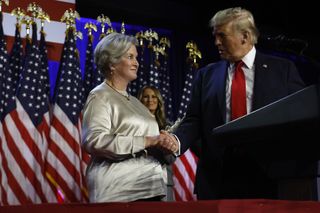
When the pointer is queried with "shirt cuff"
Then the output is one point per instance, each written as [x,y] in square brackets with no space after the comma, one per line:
[177,139]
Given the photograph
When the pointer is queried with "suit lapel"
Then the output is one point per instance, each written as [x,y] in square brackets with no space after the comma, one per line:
[221,88]
[260,73]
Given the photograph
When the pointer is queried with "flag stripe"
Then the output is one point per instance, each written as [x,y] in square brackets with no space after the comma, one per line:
[26,160]
[16,178]
[7,178]
[63,182]
[183,191]
[62,125]
[187,158]
[68,164]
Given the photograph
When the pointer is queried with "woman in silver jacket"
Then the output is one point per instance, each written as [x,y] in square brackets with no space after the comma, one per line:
[118,130]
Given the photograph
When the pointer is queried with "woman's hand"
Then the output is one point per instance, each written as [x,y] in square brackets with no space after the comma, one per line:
[164,141]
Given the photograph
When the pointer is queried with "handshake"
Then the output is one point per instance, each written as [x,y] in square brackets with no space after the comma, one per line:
[165,142]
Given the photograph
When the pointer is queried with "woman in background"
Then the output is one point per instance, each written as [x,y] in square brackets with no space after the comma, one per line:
[151,97]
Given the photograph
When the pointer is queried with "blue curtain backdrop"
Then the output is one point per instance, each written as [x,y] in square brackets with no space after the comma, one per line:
[129,29]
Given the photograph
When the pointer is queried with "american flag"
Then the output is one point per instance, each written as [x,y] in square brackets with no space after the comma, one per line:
[165,87]
[154,78]
[63,59]
[184,168]
[64,157]
[90,79]
[3,67]
[44,63]
[45,81]
[33,110]
[16,59]
[22,140]
[12,191]
[3,70]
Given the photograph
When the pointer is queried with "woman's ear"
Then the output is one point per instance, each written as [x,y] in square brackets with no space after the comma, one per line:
[112,68]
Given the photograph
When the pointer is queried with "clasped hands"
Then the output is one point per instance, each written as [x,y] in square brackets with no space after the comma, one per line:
[165,141]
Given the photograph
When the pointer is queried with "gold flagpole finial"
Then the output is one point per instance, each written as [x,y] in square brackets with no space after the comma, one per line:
[34,9]
[69,17]
[90,26]
[140,36]
[123,29]
[43,16]
[157,50]
[19,13]
[194,53]
[151,35]
[103,20]
[165,42]
[28,21]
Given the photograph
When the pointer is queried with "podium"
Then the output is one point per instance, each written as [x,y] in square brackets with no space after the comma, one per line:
[284,138]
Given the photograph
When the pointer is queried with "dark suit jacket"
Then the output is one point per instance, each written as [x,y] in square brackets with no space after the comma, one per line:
[274,78]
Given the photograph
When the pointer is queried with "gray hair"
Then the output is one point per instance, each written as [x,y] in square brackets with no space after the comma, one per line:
[110,49]
[242,21]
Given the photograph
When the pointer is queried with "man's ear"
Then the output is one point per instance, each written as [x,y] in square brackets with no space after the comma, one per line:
[245,37]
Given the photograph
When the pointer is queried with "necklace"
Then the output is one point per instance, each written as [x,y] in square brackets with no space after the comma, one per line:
[122,93]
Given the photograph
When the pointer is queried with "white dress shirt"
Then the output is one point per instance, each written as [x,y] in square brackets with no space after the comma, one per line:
[248,69]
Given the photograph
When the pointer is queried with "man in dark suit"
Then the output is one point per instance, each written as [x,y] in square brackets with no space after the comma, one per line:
[231,173]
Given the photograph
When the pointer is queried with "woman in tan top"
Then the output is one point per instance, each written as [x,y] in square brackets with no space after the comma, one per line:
[118,129]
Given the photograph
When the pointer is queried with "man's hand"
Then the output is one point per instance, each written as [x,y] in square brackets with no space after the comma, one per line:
[165,141]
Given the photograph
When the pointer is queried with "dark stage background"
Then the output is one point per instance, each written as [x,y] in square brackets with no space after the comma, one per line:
[287,29]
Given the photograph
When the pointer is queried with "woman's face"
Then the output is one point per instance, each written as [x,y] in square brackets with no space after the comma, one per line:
[150,100]
[127,68]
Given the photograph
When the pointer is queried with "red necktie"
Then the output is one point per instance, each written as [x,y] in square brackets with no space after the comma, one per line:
[238,92]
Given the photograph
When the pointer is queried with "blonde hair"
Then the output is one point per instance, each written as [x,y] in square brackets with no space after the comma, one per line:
[160,111]
[241,19]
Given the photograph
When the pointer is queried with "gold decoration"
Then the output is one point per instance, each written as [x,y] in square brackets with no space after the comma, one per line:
[19,13]
[103,20]
[90,26]
[151,35]
[157,50]
[110,30]
[28,21]
[123,29]
[194,53]
[43,16]
[165,42]
[140,36]
[69,17]
[34,9]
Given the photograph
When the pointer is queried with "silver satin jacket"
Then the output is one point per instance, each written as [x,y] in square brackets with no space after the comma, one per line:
[113,130]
